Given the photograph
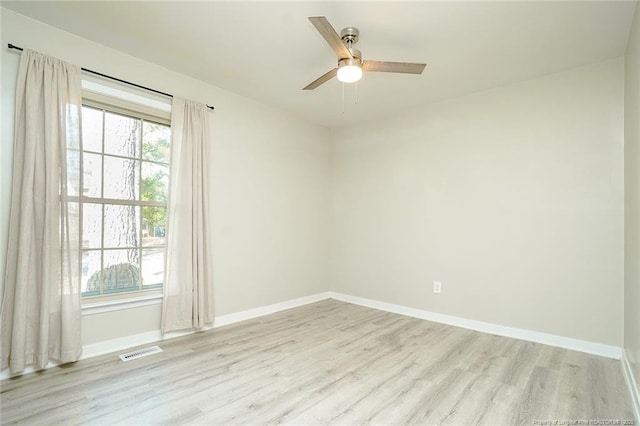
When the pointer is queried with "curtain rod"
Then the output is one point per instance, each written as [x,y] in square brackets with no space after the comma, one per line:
[13,46]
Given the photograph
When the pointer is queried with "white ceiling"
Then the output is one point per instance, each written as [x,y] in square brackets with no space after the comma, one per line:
[269,50]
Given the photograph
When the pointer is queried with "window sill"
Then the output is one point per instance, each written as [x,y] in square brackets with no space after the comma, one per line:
[117,305]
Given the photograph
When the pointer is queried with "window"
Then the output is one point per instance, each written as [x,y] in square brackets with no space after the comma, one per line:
[125,163]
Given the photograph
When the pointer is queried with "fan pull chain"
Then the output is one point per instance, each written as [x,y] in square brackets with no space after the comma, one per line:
[342,98]
[356,97]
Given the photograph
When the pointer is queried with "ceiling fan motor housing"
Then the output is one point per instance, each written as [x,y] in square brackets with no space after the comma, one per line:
[349,62]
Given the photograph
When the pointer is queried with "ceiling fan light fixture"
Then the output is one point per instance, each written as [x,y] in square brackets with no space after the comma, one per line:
[350,64]
[349,70]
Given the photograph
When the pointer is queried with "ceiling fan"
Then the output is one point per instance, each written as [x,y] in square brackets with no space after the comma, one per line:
[350,63]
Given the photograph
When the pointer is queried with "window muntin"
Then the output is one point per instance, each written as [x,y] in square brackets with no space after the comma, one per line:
[125,187]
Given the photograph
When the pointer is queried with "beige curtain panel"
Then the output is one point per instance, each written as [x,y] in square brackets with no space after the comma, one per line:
[41,299]
[188,284]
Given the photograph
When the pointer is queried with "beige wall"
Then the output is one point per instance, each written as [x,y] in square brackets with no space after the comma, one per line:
[512,198]
[269,182]
[632,200]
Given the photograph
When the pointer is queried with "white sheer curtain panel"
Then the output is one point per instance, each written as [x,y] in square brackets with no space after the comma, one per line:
[41,299]
[188,285]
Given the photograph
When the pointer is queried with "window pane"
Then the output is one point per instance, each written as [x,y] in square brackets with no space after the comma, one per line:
[152,266]
[121,226]
[91,129]
[121,271]
[155,182]
[155,142]
[72,228]
[73,132]
[154,223]
[91,225]
[92,175]
[121,135]
[121,178]
[90,272]
[73,172]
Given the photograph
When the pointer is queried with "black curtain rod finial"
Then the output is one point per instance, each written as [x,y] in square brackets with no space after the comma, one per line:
[13,46]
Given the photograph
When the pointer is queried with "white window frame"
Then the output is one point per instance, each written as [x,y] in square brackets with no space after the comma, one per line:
[138,105]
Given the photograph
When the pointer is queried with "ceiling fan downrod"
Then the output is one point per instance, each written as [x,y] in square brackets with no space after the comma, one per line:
[350,37]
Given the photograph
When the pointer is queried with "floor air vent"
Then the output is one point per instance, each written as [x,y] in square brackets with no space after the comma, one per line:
[139,353]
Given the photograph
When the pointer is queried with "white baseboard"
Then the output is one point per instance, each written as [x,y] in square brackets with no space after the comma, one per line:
[6,374]
[127,342]
[485,327]
[632,384]
[121,343]
[270,309]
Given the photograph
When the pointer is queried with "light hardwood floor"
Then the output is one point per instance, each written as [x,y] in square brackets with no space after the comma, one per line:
[329,362]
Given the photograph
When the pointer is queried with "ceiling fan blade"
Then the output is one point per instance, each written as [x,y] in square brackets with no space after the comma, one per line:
[321,80]
[403,67]
[331,36]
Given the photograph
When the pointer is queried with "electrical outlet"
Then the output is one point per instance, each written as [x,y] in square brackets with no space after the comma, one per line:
[437,287]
